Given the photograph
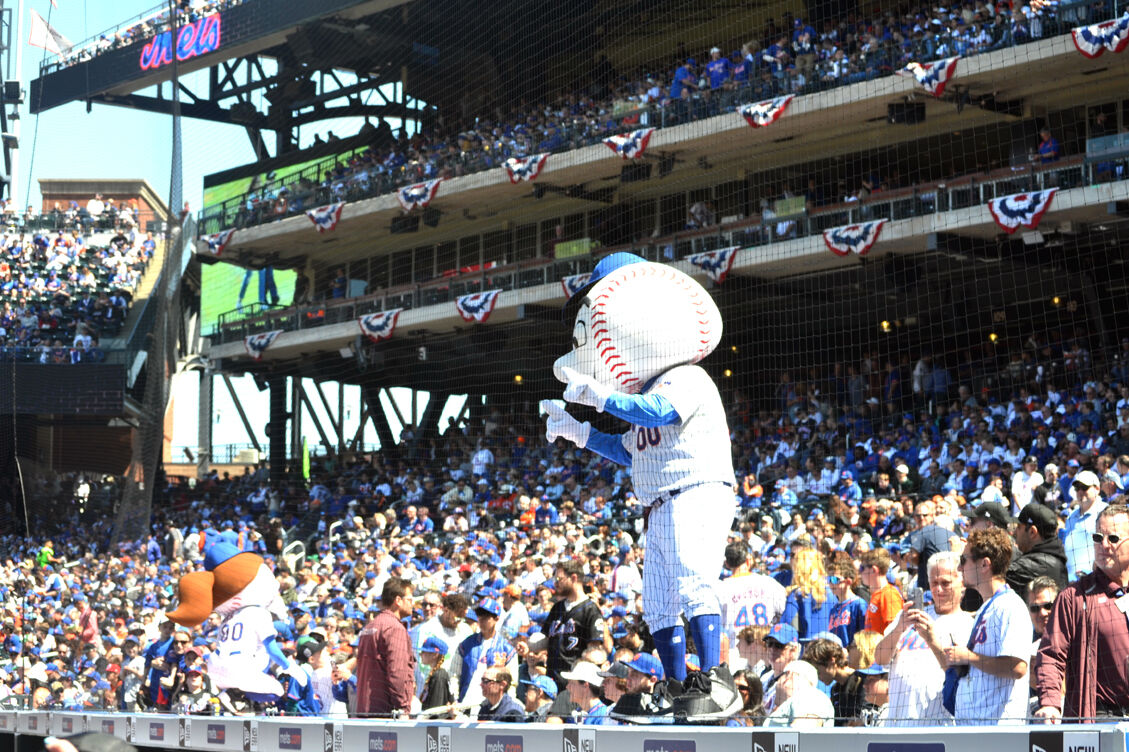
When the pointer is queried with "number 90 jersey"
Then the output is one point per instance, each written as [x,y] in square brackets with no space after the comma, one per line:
[693,451]
[749,600]
[240,659]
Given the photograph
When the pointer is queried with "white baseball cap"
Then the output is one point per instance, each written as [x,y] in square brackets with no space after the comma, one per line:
[715,49]
[1086,478]
[804,670]
[584,671]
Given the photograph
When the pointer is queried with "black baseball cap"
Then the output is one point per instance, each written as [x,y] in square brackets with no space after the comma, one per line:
[1031,458]
[992,511]
[309,648]
[1041,516]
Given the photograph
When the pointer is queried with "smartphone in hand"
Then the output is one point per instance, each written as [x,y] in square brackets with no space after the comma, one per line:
[917,598]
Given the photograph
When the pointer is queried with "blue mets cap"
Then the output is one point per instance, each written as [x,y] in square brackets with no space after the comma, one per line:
[645,663]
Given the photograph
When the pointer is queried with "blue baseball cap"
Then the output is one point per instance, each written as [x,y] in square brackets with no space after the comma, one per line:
[490,606]
[645,663]
[874,669]
[783,633]
[543,683]
[434,645]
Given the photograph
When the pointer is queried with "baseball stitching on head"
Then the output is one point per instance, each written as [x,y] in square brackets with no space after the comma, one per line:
[613,361]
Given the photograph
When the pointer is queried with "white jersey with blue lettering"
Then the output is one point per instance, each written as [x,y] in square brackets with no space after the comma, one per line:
[694,451]
[240,660]
[1004,629]
[749,600]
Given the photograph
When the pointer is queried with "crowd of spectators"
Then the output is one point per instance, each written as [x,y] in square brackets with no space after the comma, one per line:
[874,520]
[789,57]
[148,26]
[61,292]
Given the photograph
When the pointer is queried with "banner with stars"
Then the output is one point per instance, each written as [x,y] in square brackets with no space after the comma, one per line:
[1095,39]
[477,306]
[325,218]
[571,285]
[853,238]
[525,168]
[379,326]
[933,77]
[1021,209]
[761,114]
[418,195]
[219,241]
[257,344]
[716,264]
[630,145]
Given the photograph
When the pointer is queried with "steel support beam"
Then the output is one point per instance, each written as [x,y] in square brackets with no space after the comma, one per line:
[371,395]
[335,424]
[242,413]
[277,437]
[204,422]
[313,415]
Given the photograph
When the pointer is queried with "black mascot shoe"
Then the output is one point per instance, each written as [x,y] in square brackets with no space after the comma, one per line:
[707,697]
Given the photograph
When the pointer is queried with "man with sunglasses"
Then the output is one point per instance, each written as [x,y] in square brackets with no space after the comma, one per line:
[1080,526]
[1087,632]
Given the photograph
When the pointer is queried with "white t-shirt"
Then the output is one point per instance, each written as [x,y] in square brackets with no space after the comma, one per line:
[748,600]
[482,459]
[694,450]
[1005,629]
[434,628]
[916,678]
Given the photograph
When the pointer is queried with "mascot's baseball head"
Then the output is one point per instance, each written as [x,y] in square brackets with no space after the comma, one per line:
[636,319]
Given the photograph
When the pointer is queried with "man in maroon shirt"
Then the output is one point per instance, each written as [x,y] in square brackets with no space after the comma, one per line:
[385,662]
[1087,631]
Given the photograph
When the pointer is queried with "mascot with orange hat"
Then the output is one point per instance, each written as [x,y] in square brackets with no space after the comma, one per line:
[242,589]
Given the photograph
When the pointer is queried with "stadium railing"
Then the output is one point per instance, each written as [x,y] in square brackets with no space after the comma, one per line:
[924,199]
[335,734]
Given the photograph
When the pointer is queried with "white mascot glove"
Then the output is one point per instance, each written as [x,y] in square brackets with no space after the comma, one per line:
[559,423]
[295,670]
[585,390]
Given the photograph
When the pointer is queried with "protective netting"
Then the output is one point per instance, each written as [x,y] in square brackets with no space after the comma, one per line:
[841,295]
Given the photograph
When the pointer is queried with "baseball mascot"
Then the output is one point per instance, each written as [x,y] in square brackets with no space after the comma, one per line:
[638,331]
[241,588]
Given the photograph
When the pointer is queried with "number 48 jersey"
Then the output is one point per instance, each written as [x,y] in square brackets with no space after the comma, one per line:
[749,600]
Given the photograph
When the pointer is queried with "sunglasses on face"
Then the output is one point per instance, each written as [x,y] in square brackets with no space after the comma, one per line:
[1037,607]
[1113,538]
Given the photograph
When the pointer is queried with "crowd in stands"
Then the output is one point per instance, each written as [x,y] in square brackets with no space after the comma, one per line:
[143,29]
[60,294]
[788,57]
[880,504]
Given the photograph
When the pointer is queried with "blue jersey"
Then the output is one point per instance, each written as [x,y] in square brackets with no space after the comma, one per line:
[472,651]
[848,617]
[718,72]
[807,616]
[681,76]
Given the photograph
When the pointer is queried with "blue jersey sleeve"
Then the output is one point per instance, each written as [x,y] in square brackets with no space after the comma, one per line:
[647,410]
[609,446]
[275,652]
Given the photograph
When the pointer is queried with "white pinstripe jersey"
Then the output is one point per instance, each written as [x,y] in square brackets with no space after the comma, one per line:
[695,450]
